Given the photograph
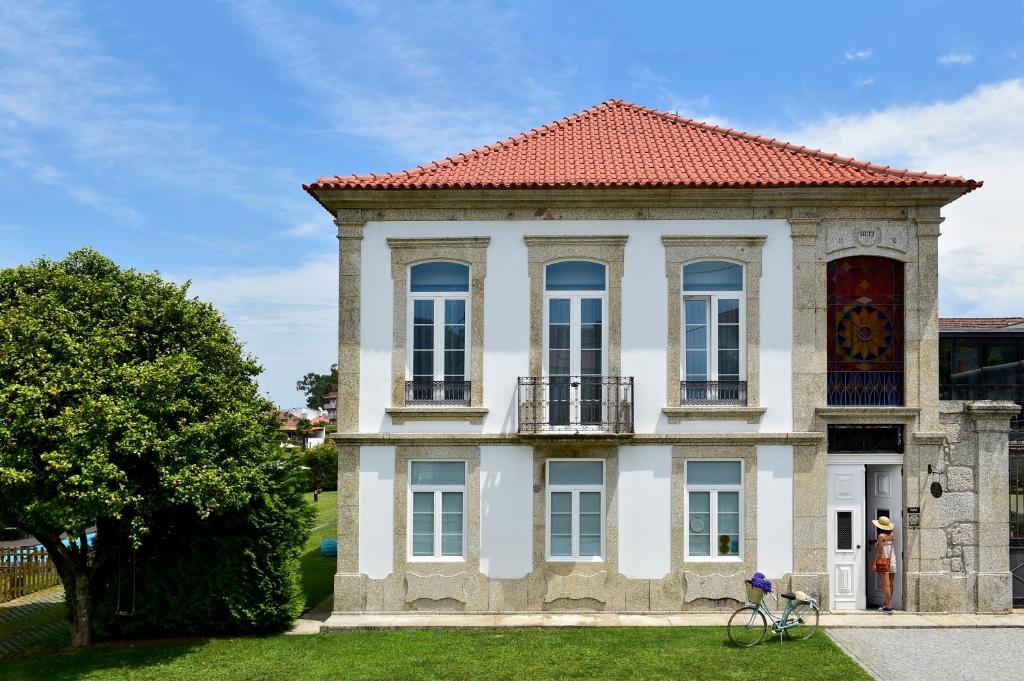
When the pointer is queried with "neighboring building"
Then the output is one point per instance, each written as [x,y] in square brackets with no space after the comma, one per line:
[624,360]
[306,413]
[289,425]
[331,407]
[983,359]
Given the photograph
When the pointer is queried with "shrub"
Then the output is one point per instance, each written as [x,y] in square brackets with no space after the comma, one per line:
[322,462]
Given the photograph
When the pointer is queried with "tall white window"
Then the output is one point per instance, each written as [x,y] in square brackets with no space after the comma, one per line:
[575,505]
[713,330]
[575,309]
[437,510]
[714,510]
[439,328]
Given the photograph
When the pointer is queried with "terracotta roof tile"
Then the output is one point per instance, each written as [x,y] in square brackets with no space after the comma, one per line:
[618,144]
[978,323]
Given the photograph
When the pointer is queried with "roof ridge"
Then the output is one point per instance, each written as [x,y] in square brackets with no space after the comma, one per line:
[848,161]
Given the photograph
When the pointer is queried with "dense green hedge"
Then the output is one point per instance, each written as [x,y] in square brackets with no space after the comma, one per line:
[322,462]
[231,572]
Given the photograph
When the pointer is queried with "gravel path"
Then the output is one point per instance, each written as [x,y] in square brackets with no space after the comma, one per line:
[935,654]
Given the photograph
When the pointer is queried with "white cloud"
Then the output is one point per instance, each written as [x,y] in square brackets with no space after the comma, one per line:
[405,94]
[75,117]
[956,58]
[320,228]
[858,55]
[864,82]
[286,316]
[981,136]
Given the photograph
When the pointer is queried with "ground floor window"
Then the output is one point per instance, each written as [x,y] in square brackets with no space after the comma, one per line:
[437,510]
[575,505]
[714,510]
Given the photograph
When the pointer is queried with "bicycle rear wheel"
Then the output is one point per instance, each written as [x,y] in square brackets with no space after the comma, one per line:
[747,627]
[806,616]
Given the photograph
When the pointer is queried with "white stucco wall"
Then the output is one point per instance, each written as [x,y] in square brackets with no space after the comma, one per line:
[775,509]
[376,511]
[644,317]
[506,511]
[645,511]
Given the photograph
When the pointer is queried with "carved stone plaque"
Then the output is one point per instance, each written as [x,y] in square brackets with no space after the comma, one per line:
[866,234]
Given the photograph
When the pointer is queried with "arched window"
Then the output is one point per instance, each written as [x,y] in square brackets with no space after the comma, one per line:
[575,300]
[714,362]
[865,323]
[439,300]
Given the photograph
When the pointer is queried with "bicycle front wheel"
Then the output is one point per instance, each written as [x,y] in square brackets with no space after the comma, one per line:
[806,617]
[747,627]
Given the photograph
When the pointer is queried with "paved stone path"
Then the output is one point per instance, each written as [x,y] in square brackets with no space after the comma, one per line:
[24,607]
[937,654]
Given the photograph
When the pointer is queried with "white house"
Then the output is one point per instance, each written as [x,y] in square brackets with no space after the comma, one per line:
[621,361]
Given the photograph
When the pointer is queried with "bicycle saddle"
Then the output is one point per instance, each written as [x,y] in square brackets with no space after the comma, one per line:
[788,596]
[798,596]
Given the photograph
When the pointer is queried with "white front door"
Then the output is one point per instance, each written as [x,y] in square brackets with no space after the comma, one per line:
[883,496]
[846,536]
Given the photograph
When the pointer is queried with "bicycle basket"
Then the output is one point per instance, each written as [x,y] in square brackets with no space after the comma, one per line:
[754,594]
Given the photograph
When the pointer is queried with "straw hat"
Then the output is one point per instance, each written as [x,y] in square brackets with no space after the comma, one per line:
[883,523]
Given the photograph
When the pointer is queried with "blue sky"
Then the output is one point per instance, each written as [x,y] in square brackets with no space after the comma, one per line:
[177,140]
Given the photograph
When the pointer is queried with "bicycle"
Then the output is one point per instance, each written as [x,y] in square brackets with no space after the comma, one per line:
[749,624]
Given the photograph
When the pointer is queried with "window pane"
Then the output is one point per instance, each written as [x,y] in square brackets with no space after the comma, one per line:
[423,502]
[423,312]
[696,338]
[728,365]
[451,544]
[728,523]
[696,310]
[590,523]
[728,502]
[700,502]
[561,502]
[454,365]
[558,311]
[561,545]
[423,365]
[729,311]
[700,545]
[561,523]
[423,523]
[728,337]
[451,502]
[422,337]
[699,523]
[576,472]
[728,545]
[590,502]
[455,312]
[590,336]
[590,545]
[438,473]
[696,365]
[712,276]
[558,336]
[423,544]
[574,275]
[439,276]
[713,473]
[590,311]
[590,363]
[558,365]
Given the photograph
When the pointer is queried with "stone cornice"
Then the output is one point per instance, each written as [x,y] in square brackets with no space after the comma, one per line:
[440,242]
[532,204]
[737,438]
[713,240]
[572,239]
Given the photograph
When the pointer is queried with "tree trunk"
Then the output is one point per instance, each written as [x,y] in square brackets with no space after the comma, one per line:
[79,609]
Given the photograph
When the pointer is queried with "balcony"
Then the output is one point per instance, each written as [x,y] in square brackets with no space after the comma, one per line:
[713,393]
[437,393]
[865,388]
[573,404]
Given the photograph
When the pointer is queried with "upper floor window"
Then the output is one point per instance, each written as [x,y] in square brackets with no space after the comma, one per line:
[865,331]
[713,330]
[439,297]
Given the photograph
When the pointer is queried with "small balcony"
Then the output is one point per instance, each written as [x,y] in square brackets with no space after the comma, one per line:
[865,388]
[437,393]
[713,393]
[573,404]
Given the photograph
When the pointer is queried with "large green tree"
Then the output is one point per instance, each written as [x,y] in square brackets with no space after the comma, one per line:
[124,399]
[316,386]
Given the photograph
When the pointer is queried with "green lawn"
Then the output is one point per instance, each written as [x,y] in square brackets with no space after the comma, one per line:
[536,654]
[317,570]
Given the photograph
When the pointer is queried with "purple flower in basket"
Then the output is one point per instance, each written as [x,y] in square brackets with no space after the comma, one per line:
[761,582]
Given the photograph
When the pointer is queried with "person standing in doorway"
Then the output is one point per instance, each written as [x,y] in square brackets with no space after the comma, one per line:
[885,559]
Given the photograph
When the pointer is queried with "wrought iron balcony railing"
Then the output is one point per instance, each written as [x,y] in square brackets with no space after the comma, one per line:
[865,388]
[601,404]
[437,393]
[713,392]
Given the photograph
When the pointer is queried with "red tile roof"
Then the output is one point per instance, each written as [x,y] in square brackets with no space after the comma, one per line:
[978,323]
[618,144]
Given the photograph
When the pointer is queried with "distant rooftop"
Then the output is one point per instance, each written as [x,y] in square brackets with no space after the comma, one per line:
[981,323]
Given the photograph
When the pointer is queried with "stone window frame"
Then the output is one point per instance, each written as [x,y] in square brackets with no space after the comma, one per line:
[741,488]
[470,563]
[406,252]
[743,250]
[607,250]
[748,559]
